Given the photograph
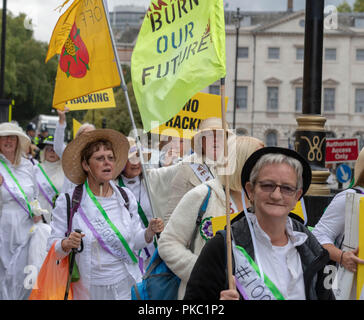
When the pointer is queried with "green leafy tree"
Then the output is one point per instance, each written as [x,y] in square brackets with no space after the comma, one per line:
[344,7]
[28,80]
[358,6]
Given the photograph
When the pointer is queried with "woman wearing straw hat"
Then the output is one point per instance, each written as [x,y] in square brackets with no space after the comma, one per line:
[59,144]
[19,210]
[107,216]
[179,245]
[330,229]
[207,144]
[265,241]
[132,178]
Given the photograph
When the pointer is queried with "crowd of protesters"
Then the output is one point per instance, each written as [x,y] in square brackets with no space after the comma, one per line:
[124,212]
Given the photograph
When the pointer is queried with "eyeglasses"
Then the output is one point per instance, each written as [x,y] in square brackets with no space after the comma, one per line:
[103,158]
[270,187]
[12,138]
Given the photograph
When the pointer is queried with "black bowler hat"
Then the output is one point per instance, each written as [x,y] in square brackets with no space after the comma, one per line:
[254,157]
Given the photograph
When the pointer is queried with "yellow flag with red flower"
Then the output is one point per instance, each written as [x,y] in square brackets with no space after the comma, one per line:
[87,63]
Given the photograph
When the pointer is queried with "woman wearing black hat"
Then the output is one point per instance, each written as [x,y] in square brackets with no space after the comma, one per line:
[265,240]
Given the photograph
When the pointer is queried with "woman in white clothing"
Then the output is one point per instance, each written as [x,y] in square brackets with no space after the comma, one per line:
[176,246]
[329,231]
[107,216]
[132,178]
[18,190]
[49,175]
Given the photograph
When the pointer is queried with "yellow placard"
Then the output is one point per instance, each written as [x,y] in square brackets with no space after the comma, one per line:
[298,210]
[360,273]
[219,223]
[97,100]
[185,124]
[76,126]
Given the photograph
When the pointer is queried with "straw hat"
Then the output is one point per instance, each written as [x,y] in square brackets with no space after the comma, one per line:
[71,158]
[255,156]
[134,150]
[359,168]
[12,129]
[205,125]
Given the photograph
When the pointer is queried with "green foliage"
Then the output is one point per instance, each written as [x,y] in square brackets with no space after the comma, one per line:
[28,80]
[118,118]
[358,6]
[344,7]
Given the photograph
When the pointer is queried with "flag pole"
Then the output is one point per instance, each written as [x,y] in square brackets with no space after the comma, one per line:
[227,189]
[125,89]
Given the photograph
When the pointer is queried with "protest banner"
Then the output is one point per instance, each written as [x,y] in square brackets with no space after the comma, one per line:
[180,51]
[87,63]
[97,100]
[186,122]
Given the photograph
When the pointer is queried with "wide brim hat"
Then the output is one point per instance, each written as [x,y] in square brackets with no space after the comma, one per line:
[359,167]
[12,129]
[255,156]
[71,158]
[133,150]
[209,124]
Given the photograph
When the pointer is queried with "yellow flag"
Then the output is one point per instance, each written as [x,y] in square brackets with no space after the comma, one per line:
[360,274]
[86,58]
[76,126]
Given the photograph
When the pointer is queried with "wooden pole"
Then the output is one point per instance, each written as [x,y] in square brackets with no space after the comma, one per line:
[227,189]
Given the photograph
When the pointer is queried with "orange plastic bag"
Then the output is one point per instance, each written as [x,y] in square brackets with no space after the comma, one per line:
[52,279]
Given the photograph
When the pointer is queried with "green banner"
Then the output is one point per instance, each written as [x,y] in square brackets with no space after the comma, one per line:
[180,51]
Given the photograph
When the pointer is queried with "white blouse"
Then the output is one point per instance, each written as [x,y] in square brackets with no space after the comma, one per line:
[96,266]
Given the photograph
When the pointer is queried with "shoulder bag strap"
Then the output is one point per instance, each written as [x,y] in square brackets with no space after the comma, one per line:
[76,200]
[201,212]
[68,200]
[124,195]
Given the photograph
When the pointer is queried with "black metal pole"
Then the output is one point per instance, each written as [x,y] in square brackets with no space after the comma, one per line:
[236,62]
[312,69]
[3,41]
[311,134]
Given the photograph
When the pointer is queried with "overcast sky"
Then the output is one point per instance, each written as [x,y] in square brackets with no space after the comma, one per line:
[44,17]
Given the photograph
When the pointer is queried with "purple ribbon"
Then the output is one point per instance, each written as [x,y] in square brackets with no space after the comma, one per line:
[94,232]
[99,239]
[44,194]
[14,197]
[241,290]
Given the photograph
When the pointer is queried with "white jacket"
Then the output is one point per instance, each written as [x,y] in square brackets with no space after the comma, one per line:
[176,236]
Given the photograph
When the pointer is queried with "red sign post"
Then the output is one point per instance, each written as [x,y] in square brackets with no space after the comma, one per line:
[342,150]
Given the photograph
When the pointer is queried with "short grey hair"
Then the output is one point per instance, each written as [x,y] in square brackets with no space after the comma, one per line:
[277,158]
[83,127]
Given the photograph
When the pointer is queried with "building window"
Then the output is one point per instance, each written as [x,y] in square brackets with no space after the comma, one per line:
[243,52]
[300,53]
[329,99]
[298,99]
[272,98]
[271,139]
[214,89]
[360,54]
[330,54]
[359,100]
[359,23]
[242,97]
[273,53]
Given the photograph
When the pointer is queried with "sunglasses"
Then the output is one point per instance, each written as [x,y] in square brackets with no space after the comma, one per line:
[270,187]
